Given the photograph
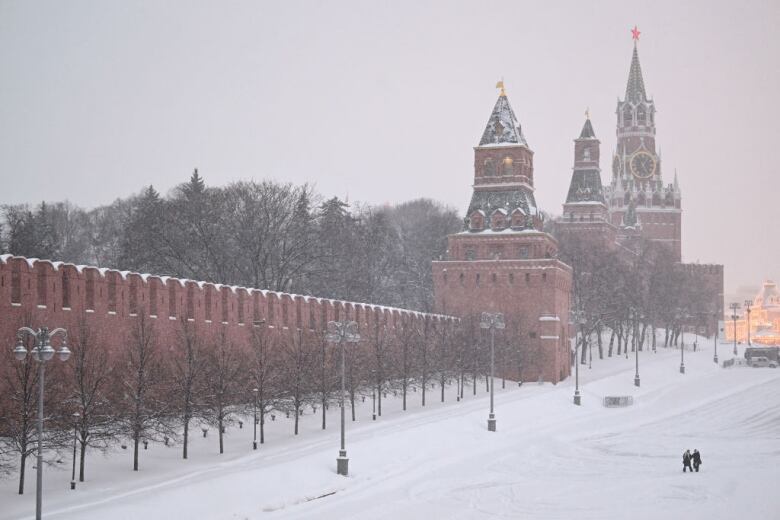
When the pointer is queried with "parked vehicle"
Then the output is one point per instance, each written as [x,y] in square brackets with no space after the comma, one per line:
[772,353]
[761,361]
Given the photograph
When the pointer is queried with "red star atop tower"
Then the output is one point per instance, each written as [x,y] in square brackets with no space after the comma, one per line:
[635,33]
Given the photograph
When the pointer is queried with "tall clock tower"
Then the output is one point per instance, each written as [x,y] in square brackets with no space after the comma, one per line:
[640,204]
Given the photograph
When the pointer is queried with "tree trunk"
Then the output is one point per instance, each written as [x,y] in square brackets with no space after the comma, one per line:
[324,403]
[611,343]
[600,342]
[352,403]
[186,436]
[379,399]
[22,466]
[296,407]
[221,442]
[136,440]
[82,460]
[403,387]
[262,425]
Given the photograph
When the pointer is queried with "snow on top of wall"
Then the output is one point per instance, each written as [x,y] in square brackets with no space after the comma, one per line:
[549,318]
[505,231]
[234,288]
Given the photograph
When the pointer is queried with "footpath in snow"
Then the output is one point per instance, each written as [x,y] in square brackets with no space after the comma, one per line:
[549,459]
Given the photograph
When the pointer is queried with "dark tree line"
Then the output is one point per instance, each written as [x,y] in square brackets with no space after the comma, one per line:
[265,235]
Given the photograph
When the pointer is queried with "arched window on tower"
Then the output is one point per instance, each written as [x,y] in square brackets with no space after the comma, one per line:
[586,154]
[627,115]
[508,166]
[490,167]
[641,115]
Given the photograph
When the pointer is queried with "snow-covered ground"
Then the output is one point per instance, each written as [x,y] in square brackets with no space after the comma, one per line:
[549,459]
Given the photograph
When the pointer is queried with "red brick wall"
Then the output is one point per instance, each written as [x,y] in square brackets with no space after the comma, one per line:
[53,294]
[533,294]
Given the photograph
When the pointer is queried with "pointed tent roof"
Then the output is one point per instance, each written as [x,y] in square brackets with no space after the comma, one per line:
[502,127]
[587,130]
[635,88]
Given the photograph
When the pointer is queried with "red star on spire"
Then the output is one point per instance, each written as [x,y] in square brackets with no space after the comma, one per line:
[635,33]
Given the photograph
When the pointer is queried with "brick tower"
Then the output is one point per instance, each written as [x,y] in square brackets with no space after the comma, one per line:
[503,262]
[639,203]
[585,211]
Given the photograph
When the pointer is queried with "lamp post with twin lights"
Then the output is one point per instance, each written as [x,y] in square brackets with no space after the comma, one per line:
[41,352]
[342,332]
[492,321]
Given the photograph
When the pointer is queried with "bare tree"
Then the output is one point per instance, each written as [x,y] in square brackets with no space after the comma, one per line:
[90,378]
[296,362]
[188,362]
[226,380]
[18,425]
[264,373]
[143,379]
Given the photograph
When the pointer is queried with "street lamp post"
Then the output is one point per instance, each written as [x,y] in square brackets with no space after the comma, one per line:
[748,303]
[579,320]
[492,321]
[636,350]
[373,394]
[42,352]
[255,391]
[682,347]
[734,306]
[75,429]
[341,332]
[715,336]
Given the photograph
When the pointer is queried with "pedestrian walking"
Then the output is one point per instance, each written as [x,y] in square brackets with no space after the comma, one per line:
[696,459]
[687,461]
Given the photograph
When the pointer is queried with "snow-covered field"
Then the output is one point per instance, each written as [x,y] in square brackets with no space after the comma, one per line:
[548,460]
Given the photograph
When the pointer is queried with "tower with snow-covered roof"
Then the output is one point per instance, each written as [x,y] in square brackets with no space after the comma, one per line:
[638,200]
[585,211]
[502,261]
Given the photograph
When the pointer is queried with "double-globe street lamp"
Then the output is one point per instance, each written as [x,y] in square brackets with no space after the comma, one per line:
[342,332]
[41,352]
[492,321]
[748,304]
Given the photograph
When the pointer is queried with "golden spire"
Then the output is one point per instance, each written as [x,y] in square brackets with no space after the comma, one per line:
[500,85]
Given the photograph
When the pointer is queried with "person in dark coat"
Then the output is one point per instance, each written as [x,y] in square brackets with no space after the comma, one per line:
[687,461]
[696,459]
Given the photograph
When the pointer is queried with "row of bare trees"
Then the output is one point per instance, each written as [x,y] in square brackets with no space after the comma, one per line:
[631,295]
[141,386]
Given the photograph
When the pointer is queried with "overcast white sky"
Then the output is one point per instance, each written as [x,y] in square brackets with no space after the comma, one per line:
[385,100]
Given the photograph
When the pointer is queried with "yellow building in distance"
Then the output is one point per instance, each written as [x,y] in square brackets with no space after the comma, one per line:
[764,320]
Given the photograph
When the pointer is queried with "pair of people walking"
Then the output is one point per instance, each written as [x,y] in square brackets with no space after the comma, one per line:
[691,459]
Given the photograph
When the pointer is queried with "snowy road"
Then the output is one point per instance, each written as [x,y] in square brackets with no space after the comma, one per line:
[548,460]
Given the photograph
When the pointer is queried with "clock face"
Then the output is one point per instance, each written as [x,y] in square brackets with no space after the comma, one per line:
[616,163]
[642,165]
